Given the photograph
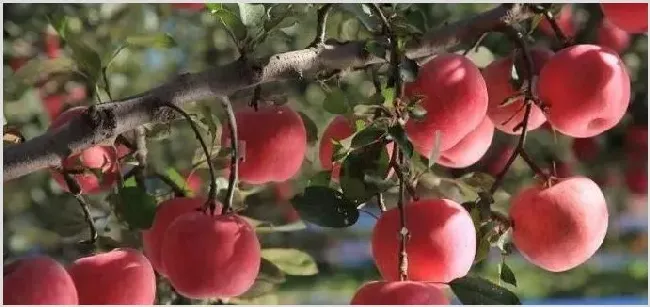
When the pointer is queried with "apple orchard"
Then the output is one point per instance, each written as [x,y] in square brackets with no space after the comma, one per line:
[424,123]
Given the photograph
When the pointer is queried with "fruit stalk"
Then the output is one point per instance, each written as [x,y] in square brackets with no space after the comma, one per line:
[234,156]
[75,190]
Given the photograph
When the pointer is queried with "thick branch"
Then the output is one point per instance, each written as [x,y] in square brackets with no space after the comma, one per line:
[105,121]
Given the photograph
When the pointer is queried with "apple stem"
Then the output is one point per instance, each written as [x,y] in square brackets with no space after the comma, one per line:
[234,155]
[75,190]
[323,13]
[564,40]
[212,194]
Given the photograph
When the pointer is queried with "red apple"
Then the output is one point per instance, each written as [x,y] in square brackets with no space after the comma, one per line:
[471,148]
[564,20]
[610,36]
[630,17]
[400,293]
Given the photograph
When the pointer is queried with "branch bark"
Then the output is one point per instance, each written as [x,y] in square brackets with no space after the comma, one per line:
[102,123]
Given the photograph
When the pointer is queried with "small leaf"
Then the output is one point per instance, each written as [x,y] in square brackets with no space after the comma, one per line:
[179,180]
[398,133]
[367,136]
[435,151]
[311,128]
[325,207]
[506,274]
[408,70]
[38,68]
[478,180]
[472,290]
[482,250]
[230,21]
[252,15]
[136,207]
[336,102]
[321,178]
[291,261]
[389,95]
[375,48]
[158,41]
[417,111]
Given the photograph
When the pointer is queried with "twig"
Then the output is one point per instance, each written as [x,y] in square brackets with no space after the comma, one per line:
[234,158]
[323,13]
[75,190]
[212,194]
[140,156]
[524,155]
[404,232]
[558,31]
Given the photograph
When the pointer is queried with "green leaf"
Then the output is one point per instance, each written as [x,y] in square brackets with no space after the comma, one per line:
[336,102]
[435,151]
[472,290]
[311,128]
[59,22]
[506,274]
[325,207]
[252,15]
[375,48]
[478,180]
[321,178]
[408,70]
[158,41]
[37,68]
[291,261]
[179,180]
[364,15]
[87,59]
[230,21]
[369,162]
[136,207]
[280,16]
[399,135]
[367,136]
[389,95]
[270,272]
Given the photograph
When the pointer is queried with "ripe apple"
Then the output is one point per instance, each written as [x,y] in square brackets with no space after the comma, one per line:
[38,281]
[455,98]
[275,143]
[630,17]
[560,227]
[400,293]
[471,148]
[610,36]
[497,78]
[564,20]
[442,242]
[588,104]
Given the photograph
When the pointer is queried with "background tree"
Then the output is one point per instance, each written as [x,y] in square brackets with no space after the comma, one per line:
[155,77]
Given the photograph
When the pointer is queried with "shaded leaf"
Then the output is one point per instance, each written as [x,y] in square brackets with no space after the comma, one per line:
[252,15]
[375,48]
[87,59]
[369,162]
[506,274]
[363,14]
[321,178]
[478,180]
[38,68]
[150,40]
[408,70]
[336,102]
[136,207]
[367,136]
[325,207]
[230,21]
[399,135]
[472,290]
[291,261]
[435,151]
[311,128]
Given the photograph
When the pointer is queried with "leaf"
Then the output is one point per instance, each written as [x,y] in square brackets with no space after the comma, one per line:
[478,180]
[417,111]
[291,261]
[136,207]
[279,16]
[299,225]
[375,48]
[157,41]
[435,151]
[472,290]
[408,70]
[506,274]
[364,15]
[369,162]
[321,178]
[38,68]
[325,207]
[367,136]
[252,15]
[399,135]
[87,59]
[363,109]
[336,102]
[179,180]
[311,128]
[230,21]
[537,19]
[389,95]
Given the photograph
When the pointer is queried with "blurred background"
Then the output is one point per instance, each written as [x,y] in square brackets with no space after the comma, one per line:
[40,82]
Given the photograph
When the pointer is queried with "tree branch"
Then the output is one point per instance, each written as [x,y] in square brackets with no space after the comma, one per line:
[102,123]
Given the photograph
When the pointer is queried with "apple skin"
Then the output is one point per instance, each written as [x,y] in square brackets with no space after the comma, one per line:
[400,293]
[588,105]
[38,280]
[497,79]
[471,148]
[561,227]
[455,97]
[630,17]
[275,143]
[610,36]
[442,242]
